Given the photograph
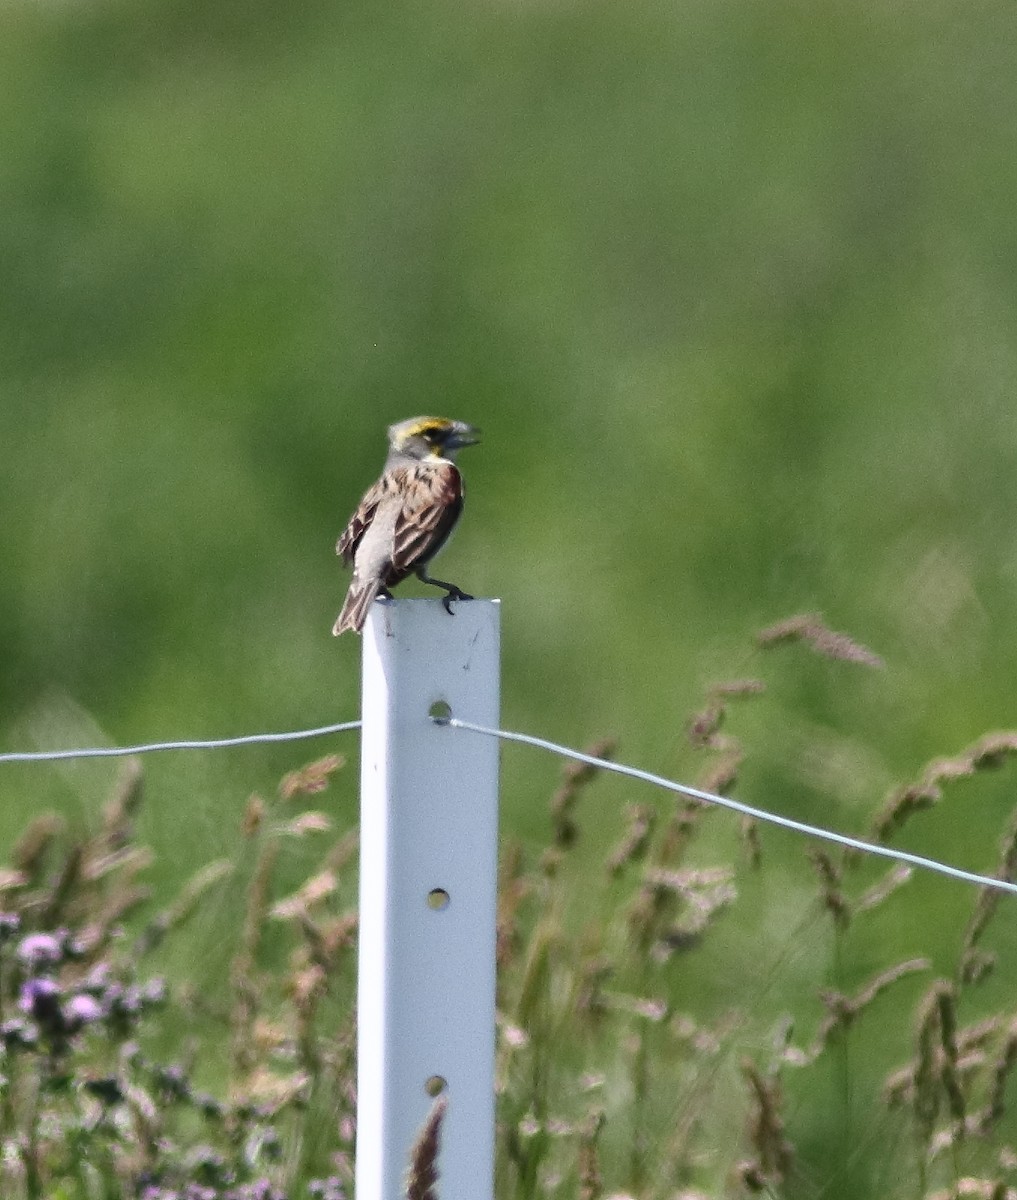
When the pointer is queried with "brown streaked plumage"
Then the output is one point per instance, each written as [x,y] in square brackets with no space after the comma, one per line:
[406,517]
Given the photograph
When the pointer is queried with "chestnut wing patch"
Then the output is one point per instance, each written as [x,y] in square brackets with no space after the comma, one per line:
[432,502]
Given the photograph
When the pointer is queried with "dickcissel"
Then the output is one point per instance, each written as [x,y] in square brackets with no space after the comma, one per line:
[407,516]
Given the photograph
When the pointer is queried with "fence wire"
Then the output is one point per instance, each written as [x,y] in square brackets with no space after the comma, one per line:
[249,739]
[526,739]
[746,810]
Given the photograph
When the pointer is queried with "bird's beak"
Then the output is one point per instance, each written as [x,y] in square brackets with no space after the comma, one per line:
[462,435]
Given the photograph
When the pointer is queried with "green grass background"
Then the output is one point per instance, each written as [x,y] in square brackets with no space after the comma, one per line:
[730,287]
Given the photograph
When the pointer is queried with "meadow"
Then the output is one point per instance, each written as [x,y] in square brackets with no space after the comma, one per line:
[730,290]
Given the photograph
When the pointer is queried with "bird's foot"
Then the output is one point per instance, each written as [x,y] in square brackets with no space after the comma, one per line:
[454,593]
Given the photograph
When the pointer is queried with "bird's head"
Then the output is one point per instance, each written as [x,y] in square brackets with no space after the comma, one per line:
[431,437]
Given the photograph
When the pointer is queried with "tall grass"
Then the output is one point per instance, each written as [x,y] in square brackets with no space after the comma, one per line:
[652,1043]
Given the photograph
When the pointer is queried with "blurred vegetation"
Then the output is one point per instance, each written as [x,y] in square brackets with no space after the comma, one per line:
[731,290]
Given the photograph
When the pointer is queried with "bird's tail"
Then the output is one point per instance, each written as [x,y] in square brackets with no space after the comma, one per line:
[359,599]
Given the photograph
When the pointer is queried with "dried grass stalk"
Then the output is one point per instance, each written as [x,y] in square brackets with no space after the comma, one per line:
[987,754]
[812,630]
[774,1153]
[575,776]
[422,1176]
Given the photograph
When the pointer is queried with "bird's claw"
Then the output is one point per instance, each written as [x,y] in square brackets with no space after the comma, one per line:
[454,594]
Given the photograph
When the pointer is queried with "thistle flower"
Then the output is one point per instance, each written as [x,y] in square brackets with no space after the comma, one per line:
[327,1189]
[18,1034]
[39,951]
[40,1000]
[81,1009]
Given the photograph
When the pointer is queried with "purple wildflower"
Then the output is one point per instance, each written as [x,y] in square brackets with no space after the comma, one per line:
[173,1082]
[113,997]
[81,1009]
[17,1034]
[199,1191]
[154,992]
[41,950]
[208,1165]
[123,1004]
[40,999]
[260,1189]
[10,924]
[327,1189]
[265,1191]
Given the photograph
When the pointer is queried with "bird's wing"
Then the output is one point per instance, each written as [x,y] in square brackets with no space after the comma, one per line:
[432,495]
[360,522]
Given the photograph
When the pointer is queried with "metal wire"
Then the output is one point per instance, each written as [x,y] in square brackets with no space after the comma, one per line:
[250,739]
[526,739]
[826,835]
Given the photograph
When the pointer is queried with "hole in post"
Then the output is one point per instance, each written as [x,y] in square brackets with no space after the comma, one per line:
[435,1085]
[438,898]
[440,712]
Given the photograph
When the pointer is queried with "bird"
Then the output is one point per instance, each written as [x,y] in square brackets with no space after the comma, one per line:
[406,517]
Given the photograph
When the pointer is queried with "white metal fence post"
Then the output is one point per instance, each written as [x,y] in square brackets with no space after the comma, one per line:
[428,894]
